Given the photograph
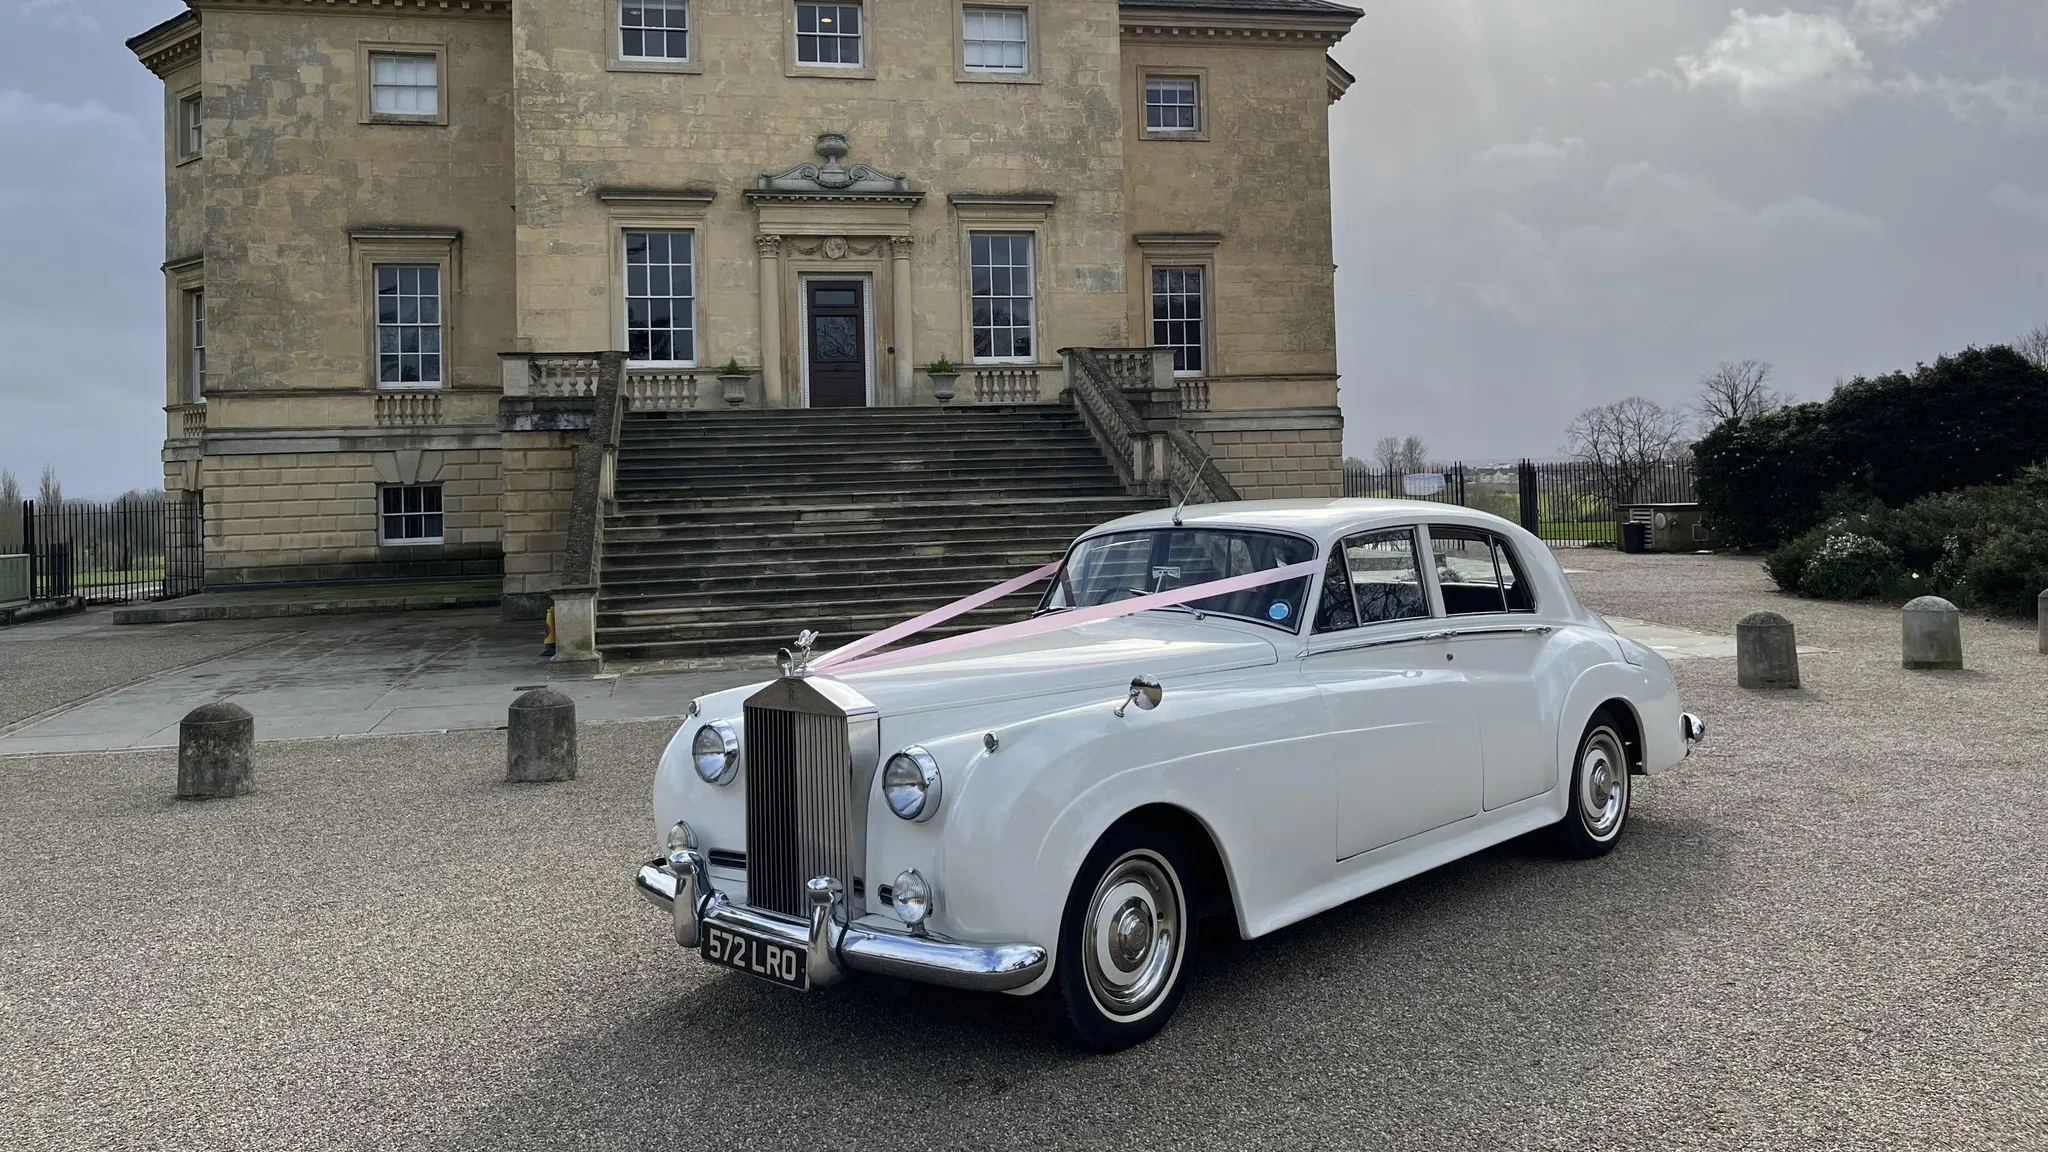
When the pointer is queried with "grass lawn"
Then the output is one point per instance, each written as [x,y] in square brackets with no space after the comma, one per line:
[1578,531]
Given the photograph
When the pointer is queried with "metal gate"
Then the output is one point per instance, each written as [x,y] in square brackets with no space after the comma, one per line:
[124,551]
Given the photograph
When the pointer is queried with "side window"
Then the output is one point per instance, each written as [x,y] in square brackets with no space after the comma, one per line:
[1336,611]
[1477,573]
[1514,589]
[1385,581]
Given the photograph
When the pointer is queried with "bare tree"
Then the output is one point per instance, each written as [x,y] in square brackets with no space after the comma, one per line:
[2034,346]
[52,494]
[1386,452]
[1737,390]
[1414,455]
[10,513]
[1623,442]
[1401,456]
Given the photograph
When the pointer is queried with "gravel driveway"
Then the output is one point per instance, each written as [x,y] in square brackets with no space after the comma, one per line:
[1825,931]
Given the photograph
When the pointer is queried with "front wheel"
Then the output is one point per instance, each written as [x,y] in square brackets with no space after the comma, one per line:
[1600,791]
[1126,940]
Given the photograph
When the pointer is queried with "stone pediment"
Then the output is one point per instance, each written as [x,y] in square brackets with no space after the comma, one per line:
[832,180]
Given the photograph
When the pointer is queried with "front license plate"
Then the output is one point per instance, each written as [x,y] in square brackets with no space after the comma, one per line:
[772,961]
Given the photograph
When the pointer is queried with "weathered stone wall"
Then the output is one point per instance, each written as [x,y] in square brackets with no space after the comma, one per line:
[313,516]
[1261,179]
[582,127]
[540,479]
[291,169]
[1277,456]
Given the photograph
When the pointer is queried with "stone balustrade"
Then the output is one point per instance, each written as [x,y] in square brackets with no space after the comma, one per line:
[660,390]
[1194,394]
[1007,385]
[408,409]
[191,420]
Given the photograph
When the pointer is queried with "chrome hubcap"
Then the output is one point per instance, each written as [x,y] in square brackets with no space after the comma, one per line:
[1603,784]
[1132,940]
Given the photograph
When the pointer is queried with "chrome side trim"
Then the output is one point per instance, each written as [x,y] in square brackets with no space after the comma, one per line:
[1442,634]
[833,945]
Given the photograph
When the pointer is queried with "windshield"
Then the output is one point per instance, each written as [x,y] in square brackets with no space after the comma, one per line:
[1122,565]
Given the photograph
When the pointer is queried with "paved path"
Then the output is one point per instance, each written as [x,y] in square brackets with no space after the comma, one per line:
[342,676]
[380,675]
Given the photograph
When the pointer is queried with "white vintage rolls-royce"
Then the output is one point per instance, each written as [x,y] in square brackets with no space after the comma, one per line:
[1252,711]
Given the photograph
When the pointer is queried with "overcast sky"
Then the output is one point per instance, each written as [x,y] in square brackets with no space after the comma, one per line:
[1539,207]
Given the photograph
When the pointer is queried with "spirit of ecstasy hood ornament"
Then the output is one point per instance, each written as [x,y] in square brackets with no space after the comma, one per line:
[797,663]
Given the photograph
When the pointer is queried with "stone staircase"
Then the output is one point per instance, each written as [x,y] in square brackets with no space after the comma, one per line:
[733,530]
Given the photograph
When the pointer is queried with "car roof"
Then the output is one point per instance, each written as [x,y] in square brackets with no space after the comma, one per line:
[1321,519]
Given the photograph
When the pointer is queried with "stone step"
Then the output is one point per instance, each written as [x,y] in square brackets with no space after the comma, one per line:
[1000,452]
[812,515]
[1089,473]
[688,586]
[744,496]
[839,623]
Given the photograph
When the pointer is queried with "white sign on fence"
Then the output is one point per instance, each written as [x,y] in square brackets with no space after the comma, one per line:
[1422,483]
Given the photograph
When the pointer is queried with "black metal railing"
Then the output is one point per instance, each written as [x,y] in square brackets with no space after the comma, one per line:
[127,550]
[1567,503]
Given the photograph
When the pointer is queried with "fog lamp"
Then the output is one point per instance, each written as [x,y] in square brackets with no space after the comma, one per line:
[716,752]
[681,837]
[912,895]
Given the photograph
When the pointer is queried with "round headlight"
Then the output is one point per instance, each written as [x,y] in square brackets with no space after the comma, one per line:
[716,751]
[910,782]
[912,895]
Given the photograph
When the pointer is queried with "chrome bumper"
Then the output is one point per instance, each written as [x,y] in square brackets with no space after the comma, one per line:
[680,885]
[1695,730]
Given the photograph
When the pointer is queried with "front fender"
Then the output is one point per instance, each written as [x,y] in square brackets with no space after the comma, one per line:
[1031,811]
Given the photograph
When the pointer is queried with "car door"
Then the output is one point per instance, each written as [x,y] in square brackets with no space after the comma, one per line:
[1499,643]
[1398,731]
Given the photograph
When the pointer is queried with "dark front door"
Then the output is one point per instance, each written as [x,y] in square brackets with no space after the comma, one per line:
[836,343]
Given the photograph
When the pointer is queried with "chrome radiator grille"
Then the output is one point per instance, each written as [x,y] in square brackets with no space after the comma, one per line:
[797,815]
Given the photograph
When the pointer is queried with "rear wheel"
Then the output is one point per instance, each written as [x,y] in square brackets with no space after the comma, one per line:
[1126,940]
[1600,791]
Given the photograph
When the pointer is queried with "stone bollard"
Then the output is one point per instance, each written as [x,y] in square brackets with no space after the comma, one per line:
[540,738]
[213,752]
[1766,655]
[1931,634]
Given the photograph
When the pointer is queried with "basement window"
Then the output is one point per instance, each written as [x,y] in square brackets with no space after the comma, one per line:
[411,514]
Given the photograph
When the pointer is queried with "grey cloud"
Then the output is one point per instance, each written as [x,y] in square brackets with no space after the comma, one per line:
[2010,198]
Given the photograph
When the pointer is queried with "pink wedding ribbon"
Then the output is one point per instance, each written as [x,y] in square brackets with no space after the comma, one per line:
[892,634]
[1042,624]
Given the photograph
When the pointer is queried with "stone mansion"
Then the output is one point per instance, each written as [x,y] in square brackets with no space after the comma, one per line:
[410,243]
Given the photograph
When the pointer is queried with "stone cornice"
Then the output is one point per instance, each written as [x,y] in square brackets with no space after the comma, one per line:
[473,9]
[699,197]
[760,196]
[1340,79]
[1255,28]
[169,46]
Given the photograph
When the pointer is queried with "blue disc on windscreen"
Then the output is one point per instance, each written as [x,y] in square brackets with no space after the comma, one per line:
[1278,611]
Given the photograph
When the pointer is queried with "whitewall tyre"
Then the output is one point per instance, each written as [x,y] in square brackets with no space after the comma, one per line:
[1126,941]
[1601,788]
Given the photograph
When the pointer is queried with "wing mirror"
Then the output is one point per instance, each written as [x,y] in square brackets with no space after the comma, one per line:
[1145,693]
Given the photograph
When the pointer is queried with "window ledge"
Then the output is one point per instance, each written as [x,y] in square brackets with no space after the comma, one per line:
[968,76]
[655,65]
[383,387]
[193,158]
[434,121]
[831,71]
[1162,134]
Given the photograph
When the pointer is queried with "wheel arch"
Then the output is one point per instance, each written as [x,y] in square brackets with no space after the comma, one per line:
[1631,724]
[1212,878]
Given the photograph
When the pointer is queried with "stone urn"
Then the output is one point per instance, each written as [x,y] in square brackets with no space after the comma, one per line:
[945,384]
[733,387]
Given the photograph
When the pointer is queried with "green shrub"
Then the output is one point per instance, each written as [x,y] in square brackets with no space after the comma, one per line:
[1849,566]
[1984,548]
[1786,565]
[1969,419]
